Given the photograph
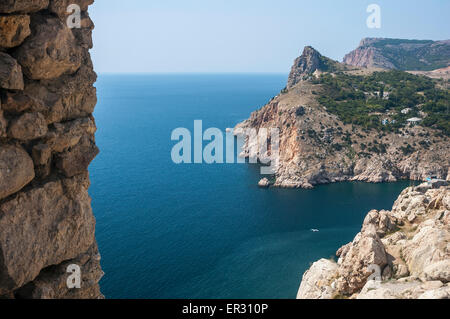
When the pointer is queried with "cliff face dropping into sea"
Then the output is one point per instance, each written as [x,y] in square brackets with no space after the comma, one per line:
[46,144]
[341,123]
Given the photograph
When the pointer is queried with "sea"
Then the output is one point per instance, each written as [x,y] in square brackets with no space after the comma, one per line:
[168,230]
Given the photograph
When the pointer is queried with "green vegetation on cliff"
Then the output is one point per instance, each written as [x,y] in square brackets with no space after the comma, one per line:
[369,100]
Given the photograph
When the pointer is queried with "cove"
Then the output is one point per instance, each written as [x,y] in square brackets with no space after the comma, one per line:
[205,231]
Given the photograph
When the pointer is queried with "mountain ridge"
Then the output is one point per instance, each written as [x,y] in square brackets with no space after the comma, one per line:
[401,54]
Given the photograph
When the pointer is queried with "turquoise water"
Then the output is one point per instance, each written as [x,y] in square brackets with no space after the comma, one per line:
[205,231]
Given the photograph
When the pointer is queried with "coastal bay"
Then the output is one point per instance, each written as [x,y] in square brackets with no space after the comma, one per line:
[205,231]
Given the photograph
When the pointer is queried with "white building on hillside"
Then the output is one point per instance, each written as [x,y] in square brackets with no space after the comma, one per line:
[414,120]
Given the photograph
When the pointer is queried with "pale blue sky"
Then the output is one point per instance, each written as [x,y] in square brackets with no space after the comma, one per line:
[158,36]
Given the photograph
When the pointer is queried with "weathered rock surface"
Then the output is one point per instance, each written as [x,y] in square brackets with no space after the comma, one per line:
[365,250]
[77,159]
[13,30]
[60,6]
[41,154]
[29,126]
[410,260]
[26,6]
[66,98]
[68,134]
[84,34]
[46,144]
[52,281]
[56,215]
[16,170]
[414,289]
[10,73]
[16,103]
[50,51]
[317,281]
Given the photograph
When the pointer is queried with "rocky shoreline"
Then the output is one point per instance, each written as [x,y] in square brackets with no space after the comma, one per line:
[403,253]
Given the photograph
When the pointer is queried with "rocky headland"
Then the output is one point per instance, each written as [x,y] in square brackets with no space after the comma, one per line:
[346,123]
[46,145]
[399,254]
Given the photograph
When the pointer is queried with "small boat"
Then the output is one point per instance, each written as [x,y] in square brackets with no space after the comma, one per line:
[314,230]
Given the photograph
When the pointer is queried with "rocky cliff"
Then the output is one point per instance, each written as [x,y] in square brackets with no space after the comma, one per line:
[310,62]
[402,253]
[318,146]
[46,144]
[419,55]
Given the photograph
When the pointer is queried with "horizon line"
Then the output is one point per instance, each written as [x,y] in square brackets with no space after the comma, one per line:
[191,73]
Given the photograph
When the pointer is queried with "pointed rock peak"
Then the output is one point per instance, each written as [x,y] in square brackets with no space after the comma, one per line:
[305,65]
[310,51]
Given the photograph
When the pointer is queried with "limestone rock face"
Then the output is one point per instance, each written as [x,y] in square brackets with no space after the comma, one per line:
[438,271]
[368,57]
[13,30]
[439,293]
[365,250]
[26,6]
[411,260]
[16,170]
[382,221]
[47,140]
[50,51]
[316,282]
[10,73]
[413,289]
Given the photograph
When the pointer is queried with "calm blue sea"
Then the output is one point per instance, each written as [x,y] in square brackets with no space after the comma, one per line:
[205,231]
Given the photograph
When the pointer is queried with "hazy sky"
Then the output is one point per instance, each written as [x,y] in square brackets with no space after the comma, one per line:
[247,35]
